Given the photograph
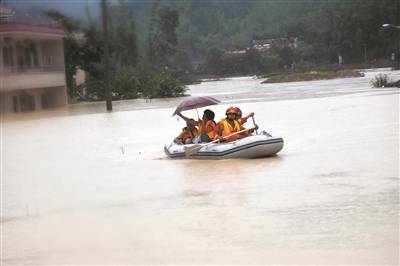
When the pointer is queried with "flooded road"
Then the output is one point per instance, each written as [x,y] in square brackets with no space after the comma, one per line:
[81,186]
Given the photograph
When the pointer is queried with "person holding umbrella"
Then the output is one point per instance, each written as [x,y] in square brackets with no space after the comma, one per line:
[206,126]
[188,134]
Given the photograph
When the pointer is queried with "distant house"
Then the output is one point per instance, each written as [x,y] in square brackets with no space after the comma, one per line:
[32,69]
[262,45]
[236,52]
[266,44]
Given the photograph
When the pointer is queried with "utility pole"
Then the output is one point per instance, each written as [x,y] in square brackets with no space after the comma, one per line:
[397,63]
[106,56]
[365,53]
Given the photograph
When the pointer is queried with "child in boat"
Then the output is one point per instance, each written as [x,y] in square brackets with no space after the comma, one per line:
[206,126]
[188,134]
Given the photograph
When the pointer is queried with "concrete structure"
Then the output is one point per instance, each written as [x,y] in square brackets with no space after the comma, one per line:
[32,69]
[266,44]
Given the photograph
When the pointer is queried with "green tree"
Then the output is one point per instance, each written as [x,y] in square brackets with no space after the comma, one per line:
[72,55]
[252,62]
[271,61]
[164,42]
[124,39]
[213,62]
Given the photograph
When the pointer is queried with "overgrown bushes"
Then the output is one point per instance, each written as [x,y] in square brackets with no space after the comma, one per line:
[312,75]
[382,81]
[379,81]
[131,75]
[133,82]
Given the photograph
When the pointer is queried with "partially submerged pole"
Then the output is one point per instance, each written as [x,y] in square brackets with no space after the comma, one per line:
[397,62]
[106,56]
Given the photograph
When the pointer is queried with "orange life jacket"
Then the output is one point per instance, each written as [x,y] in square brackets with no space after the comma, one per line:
[241,121]
[207,128]
[189,134]
[229,129]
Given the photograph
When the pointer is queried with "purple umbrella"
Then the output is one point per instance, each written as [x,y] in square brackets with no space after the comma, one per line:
[195,102]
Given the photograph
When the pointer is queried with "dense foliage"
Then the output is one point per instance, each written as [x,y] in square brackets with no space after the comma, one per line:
[324,28]
[132,75]
[161,41]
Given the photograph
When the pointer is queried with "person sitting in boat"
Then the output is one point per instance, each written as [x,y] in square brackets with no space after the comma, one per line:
[188,134]
[206,126]
[241,119]
[229,126]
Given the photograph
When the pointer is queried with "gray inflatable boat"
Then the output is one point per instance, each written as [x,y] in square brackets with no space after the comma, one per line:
[253,146]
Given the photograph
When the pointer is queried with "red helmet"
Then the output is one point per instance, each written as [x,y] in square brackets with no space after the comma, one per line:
[238,111]
[231,110]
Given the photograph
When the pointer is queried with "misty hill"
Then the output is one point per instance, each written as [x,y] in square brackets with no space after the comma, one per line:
[335,25]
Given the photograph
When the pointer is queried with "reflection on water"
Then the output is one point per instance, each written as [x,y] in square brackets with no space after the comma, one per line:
[83,186]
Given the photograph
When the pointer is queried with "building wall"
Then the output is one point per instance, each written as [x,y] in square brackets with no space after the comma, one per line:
[33,99]
[18,81]
[52,52]
[36,78]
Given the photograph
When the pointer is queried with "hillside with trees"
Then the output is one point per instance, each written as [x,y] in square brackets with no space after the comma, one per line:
[157,46]
[324,29]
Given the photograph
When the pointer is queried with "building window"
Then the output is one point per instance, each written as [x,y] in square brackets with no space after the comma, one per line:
[34,54]
[8,59]
[27,102]
[48,60]
[27,55]
[20,58]
[15,104]
[45,101]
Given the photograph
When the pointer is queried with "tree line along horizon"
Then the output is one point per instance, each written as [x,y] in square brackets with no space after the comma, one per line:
[157,47]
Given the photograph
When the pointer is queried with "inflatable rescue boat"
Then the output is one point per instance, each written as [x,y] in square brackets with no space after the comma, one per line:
[253,146]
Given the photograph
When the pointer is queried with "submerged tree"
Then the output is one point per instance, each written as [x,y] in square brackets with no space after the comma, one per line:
[151,31]
[124,39]
[71,47]
[164,42]
[130,75]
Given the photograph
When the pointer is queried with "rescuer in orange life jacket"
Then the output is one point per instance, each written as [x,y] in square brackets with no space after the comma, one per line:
[230,125]
[188,134]
[241,119]
[206,126]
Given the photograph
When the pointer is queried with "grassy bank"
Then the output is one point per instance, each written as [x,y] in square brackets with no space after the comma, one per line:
[312,75]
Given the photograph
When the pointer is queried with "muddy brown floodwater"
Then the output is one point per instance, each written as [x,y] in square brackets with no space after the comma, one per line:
[82,186]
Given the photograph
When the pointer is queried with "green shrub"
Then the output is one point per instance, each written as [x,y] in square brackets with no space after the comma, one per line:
[167,86]
[379,81]
[312,75]
[72,100]
[126,83]
[129,82]
[304,66]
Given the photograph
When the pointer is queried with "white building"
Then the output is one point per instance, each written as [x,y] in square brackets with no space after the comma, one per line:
[32,69]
